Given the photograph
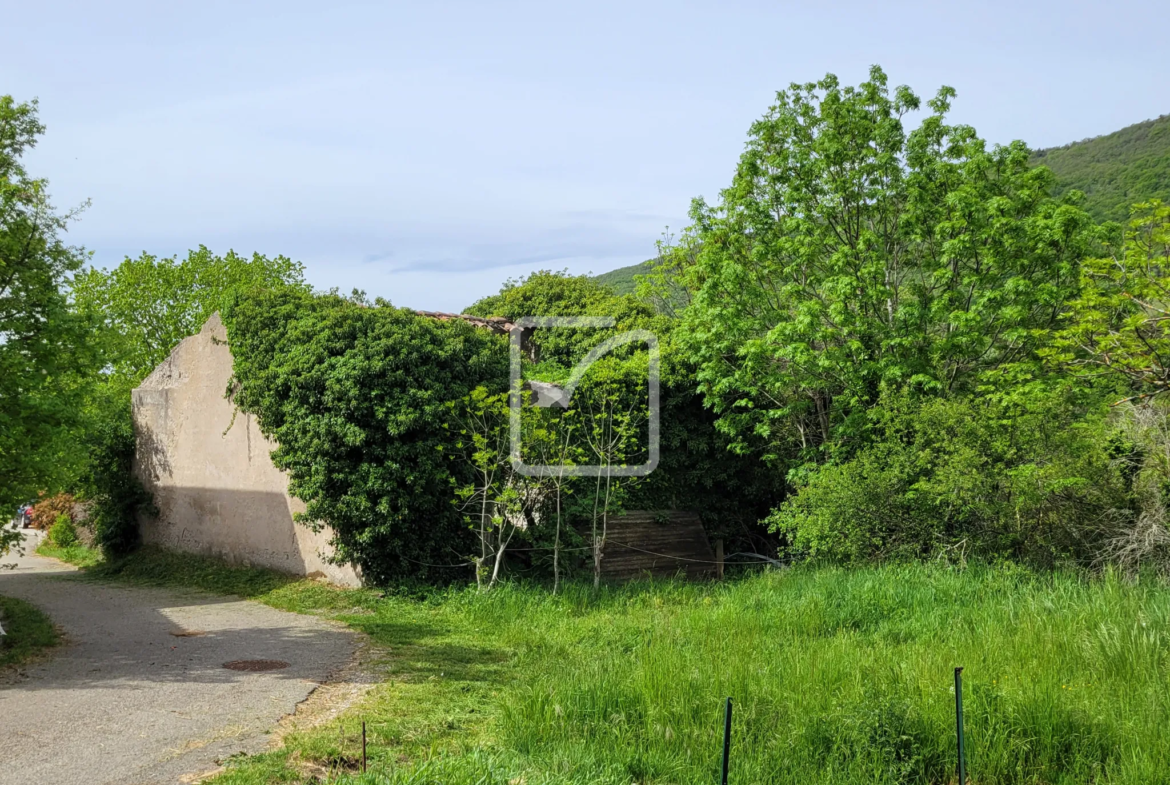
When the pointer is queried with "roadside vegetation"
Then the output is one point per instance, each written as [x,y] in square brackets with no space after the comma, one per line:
[29,632]
[153,567]
[76,554]
[883,340]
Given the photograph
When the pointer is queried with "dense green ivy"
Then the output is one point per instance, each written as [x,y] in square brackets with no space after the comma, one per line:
[357,397]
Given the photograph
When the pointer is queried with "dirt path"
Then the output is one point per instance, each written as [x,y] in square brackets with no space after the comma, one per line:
[139,693]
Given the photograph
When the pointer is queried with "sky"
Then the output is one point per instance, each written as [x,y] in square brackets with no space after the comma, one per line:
[427,152]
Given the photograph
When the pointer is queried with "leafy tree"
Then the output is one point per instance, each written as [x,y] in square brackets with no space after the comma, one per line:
[43,346]
[115,497]
[551,438]
[849,256]
[141,310]
[613,430]
[1120,323]
[146,306]
[498,502]
[610,405]
[547,293]
[10,539]
[483,441]
[611,402]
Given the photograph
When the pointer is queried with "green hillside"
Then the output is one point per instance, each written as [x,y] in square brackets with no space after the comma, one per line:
[622,279]
[1116,170]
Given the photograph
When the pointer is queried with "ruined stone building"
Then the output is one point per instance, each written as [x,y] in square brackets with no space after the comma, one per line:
[209,470]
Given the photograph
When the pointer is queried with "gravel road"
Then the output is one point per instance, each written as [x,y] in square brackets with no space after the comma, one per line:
[139,694]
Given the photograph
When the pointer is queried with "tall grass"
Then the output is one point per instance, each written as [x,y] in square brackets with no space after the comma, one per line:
[846,677]
[838,676]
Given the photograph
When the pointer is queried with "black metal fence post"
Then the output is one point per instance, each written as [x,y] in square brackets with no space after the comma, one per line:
[726,740]
[363,746]
[959,724]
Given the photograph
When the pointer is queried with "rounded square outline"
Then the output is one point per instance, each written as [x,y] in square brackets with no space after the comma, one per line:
[516,403]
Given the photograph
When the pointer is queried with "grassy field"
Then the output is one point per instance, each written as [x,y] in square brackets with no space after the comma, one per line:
[30,632]
[838,676]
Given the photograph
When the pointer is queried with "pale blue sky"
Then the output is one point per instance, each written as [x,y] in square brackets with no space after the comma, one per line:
[427,152]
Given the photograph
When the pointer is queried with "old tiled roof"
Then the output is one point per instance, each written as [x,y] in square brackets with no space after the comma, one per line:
[496,324]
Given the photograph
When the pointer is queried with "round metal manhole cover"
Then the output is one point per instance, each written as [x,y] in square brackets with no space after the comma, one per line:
[255,666]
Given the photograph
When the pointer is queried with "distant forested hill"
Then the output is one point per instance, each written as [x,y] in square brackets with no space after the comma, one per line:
[622,279]
[1116,170]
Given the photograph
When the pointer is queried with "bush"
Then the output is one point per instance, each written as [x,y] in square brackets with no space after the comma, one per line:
[1137,535]
[964,476]
[116,497]
[63,533]
[49,509]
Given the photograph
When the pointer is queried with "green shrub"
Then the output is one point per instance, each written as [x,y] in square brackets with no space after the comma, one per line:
[1136,537]
[964,476]
[63,533]
[115,496]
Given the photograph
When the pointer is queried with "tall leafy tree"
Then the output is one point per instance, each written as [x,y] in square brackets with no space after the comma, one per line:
[696,470]
[1119,326]
[850,255]
[145,306]
[42,344]
[141,310]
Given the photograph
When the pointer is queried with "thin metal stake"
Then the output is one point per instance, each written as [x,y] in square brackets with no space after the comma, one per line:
[363,746]
[726,740]
[959,724]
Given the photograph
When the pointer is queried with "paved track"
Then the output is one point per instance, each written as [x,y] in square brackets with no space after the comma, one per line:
[138,694]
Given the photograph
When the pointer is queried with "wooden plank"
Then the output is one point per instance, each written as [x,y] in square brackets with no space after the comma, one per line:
[657,543]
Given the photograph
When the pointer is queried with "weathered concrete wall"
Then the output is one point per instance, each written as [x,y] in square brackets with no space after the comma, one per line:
[217,491]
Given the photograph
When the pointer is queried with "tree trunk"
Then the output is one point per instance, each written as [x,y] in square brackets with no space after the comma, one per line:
[604,530]
[557,545]
[596,542]
[483,547]
[499,557]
